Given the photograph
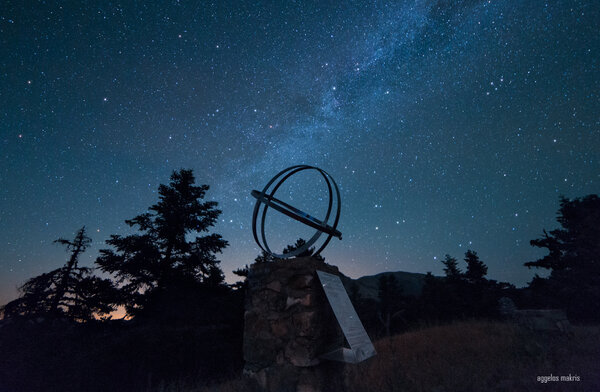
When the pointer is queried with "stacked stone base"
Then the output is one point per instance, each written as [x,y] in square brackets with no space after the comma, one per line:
[288,325]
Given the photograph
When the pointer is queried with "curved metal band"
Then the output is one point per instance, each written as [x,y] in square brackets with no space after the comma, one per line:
[270,201]
[296,214]
[293,170]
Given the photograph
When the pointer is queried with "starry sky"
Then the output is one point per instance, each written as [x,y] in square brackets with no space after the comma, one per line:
[447,125]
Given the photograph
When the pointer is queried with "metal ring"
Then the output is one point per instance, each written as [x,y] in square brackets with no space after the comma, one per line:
[269,200]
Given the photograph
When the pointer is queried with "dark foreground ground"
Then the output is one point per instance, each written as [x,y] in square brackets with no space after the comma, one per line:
[463,356]
[469,356]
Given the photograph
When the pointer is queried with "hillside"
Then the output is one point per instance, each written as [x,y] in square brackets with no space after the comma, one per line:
[411,283]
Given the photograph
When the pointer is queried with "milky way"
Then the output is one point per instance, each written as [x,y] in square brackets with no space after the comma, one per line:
[448,127]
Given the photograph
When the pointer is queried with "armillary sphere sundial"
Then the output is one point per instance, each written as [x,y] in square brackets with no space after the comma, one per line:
[360,344]
[266,198]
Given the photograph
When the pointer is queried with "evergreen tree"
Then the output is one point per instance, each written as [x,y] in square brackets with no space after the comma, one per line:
[438,301]
[307,253]
[451,267]
[243,273]
[461,295]
[70,291]
[573,259]
[161,257]
[575,246]
[390,297]
[264,257]
[77,246]
[476,269]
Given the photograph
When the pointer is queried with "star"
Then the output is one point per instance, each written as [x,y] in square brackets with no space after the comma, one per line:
[467,109]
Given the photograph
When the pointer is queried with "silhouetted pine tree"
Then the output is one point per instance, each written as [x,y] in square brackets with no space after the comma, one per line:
[476,269]
[264,257]
[390,297]
[161,258]
[435,303]
[477,293]
[308,252]
[573,258]
[70,291]
[459,295]
[575,246]
[243,273]
[451,267]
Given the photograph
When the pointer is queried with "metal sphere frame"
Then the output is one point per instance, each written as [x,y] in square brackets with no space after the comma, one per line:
[267,198]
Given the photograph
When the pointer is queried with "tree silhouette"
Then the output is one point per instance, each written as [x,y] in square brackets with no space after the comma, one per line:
[77,246]
[160,257]
[307,253]
[573,259]
[438,300]
[476,269]
[264,257]
[390,297]
[243,273]
[576,246]
[460,295]
[451,267]
[70,291]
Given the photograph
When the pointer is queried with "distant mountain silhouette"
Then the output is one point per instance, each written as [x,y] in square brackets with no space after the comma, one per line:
[411,283]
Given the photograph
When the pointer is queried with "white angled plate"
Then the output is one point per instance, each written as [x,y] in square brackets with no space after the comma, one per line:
[361,347]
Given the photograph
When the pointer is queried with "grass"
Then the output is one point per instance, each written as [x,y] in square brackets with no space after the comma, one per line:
[479,356]
[467,356]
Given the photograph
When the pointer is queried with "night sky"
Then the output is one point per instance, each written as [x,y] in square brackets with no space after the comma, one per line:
[447,127]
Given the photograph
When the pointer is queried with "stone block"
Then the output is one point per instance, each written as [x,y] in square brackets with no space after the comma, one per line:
[291,302]
[301,281]
[275,286]
[268,300]
[305,323]
[288,323]
[300,355]
[280,327]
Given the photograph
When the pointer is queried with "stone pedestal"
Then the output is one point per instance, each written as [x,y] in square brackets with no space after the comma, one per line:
[288,325]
